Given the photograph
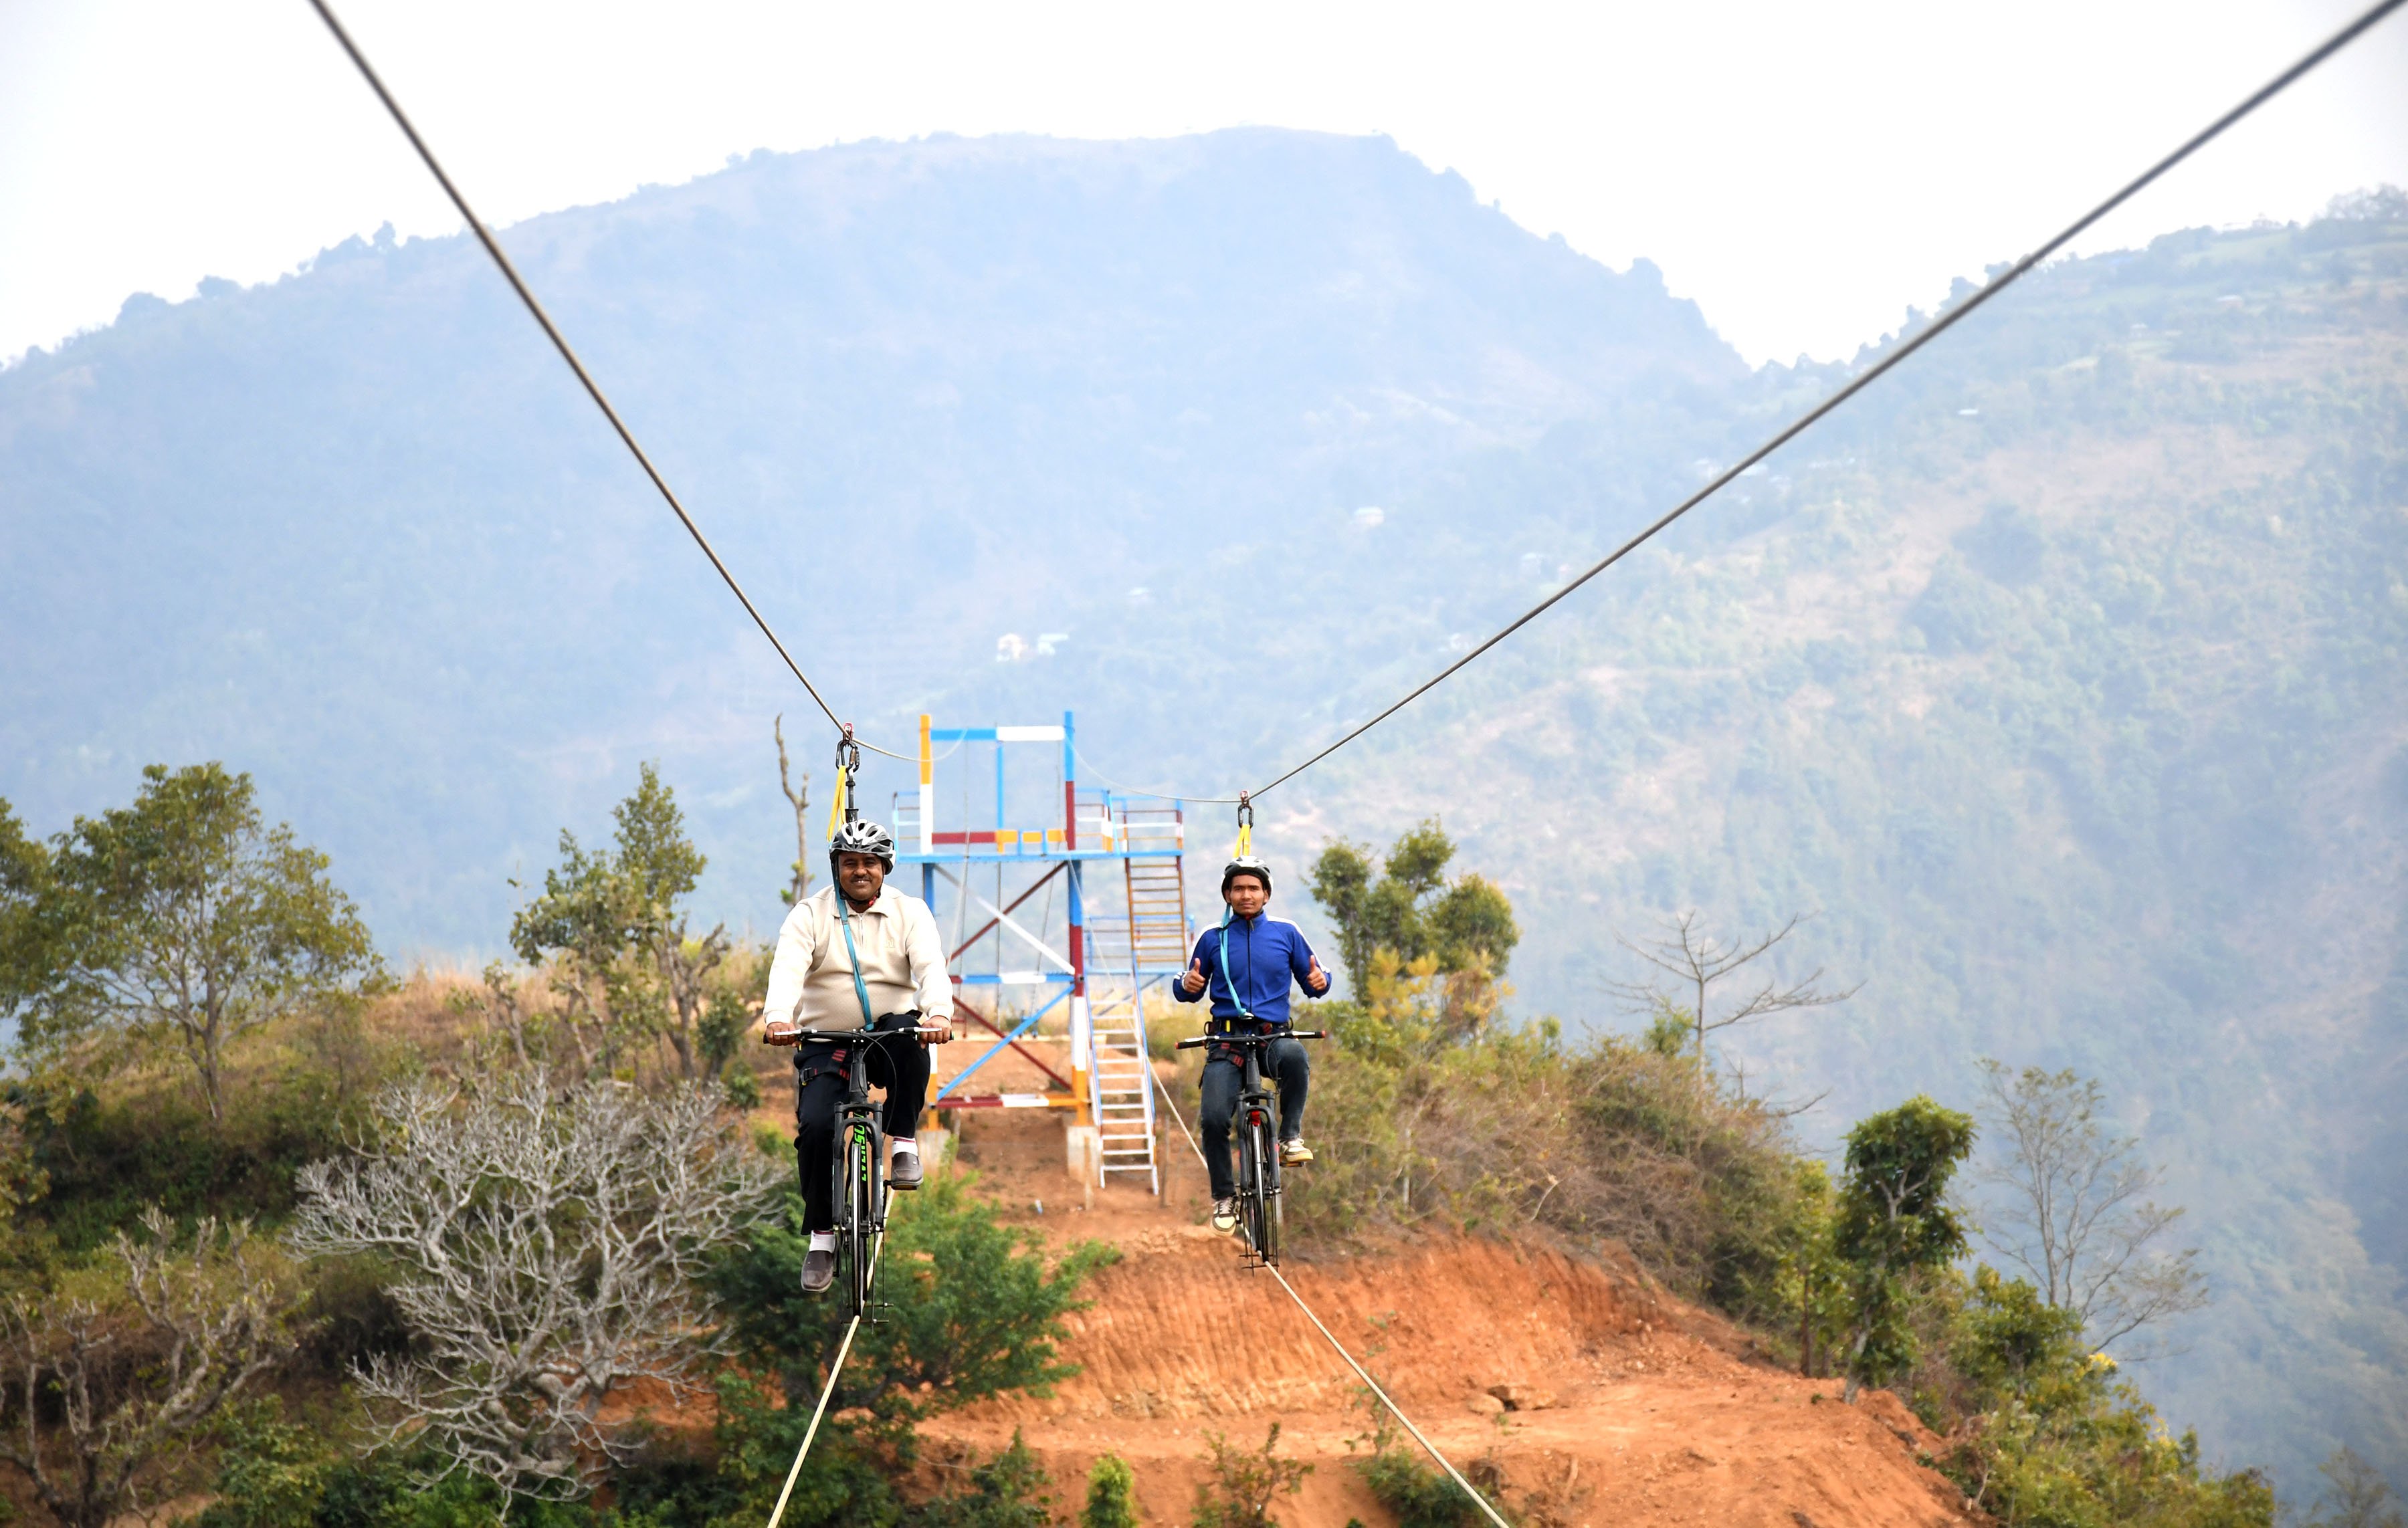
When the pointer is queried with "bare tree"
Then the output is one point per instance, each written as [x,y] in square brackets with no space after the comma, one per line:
[1698,961]
[2355,1496]
[2073,1207]
[800,886]
[115,1387]
[548,1254]
[685,964]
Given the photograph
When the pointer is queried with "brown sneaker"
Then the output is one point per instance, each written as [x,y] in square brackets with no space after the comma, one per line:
[819,1271]
[904,1171]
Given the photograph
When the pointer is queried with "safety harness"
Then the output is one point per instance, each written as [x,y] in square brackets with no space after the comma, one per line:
[830,1059]
[1243,849]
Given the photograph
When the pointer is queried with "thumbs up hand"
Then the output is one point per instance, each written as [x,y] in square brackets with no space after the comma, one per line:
[1316,980]
[1193,983]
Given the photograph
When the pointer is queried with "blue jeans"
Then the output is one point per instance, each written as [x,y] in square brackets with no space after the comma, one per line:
[1283,1065]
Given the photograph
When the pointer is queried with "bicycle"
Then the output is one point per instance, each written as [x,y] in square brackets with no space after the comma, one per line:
[1258,1157]
[859,1162]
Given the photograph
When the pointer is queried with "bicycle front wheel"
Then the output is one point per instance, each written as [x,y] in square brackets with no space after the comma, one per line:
[856,1227]
[1262,1225]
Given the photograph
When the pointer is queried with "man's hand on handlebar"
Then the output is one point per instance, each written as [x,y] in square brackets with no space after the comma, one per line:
[936,1031]
[780,1032]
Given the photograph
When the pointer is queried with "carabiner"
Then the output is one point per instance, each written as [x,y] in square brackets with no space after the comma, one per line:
[848,765]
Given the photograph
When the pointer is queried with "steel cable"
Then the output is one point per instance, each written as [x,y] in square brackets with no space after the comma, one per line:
[1085,764]
[1940,326]
[560,343]
[843,1350]
[1360,1373]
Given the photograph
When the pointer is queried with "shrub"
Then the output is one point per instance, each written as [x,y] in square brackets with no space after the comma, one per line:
[1423,1109]
[1245,1483]
[1111,1496]
[2062,1441]
[977,1310]
[1007,1491]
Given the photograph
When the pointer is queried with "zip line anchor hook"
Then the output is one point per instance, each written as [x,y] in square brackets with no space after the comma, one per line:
[848,765]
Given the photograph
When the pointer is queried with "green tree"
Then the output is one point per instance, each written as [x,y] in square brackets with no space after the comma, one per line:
[182,920]
[635,970]
[1813,1280]
[1894,1220]
[2010,1341]
[24,880]
[1112,1494]
[1410,909]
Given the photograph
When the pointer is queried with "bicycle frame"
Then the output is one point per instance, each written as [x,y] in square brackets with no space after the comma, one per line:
[1257,1123]
[859,1194]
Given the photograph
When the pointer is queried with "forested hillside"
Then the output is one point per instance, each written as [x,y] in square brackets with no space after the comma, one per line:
[2063,674]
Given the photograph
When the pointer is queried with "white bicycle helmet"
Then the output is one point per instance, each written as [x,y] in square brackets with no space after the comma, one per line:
[863,836]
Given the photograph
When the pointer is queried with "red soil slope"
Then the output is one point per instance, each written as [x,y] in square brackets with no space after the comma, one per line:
[1631,1408]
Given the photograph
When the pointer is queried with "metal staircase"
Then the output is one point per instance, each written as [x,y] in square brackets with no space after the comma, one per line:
[1126,955]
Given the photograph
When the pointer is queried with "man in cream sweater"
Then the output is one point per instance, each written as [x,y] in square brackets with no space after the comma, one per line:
[898,983]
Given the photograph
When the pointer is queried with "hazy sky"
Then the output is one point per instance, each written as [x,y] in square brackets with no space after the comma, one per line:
[1803,171]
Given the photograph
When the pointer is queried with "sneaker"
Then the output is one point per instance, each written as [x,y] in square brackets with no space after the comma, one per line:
[903,1173]
[819,1270]
[1294,1153]
[1225,1216]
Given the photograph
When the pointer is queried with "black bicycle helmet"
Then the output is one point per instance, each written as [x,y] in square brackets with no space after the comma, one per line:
[1246,864]
[863,836]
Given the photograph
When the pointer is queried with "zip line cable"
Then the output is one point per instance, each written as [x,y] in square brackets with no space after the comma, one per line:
[1373,1385]
[2266,92]
[1360,1373]
[843,1350]
[1085,762]
[560,343]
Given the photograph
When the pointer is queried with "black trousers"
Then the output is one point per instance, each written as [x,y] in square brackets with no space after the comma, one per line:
[900,1066]
[1285,1066]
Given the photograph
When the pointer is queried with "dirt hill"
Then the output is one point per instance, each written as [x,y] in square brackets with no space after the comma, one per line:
[1627,1406]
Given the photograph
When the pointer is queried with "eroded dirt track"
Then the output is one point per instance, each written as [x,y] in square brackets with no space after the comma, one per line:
[1634,1409]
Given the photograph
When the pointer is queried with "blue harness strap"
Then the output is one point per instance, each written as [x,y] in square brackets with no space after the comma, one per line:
[860,991]
[1228,980]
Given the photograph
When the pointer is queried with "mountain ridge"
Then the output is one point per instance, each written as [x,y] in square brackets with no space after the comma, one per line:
[2059,671]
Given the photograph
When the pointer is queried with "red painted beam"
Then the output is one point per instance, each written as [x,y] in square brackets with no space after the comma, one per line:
[1017,1049]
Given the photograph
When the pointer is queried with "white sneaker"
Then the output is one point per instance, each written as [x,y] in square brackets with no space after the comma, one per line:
[1225,1216]
[1294,1153]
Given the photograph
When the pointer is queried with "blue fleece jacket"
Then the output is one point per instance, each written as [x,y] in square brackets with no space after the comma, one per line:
[1264,952]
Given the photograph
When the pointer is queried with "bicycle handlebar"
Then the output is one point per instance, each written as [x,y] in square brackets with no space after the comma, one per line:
[848,1036]
[1193,1041]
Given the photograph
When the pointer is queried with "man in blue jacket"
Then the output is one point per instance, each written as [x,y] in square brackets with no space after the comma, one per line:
[1250,992]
